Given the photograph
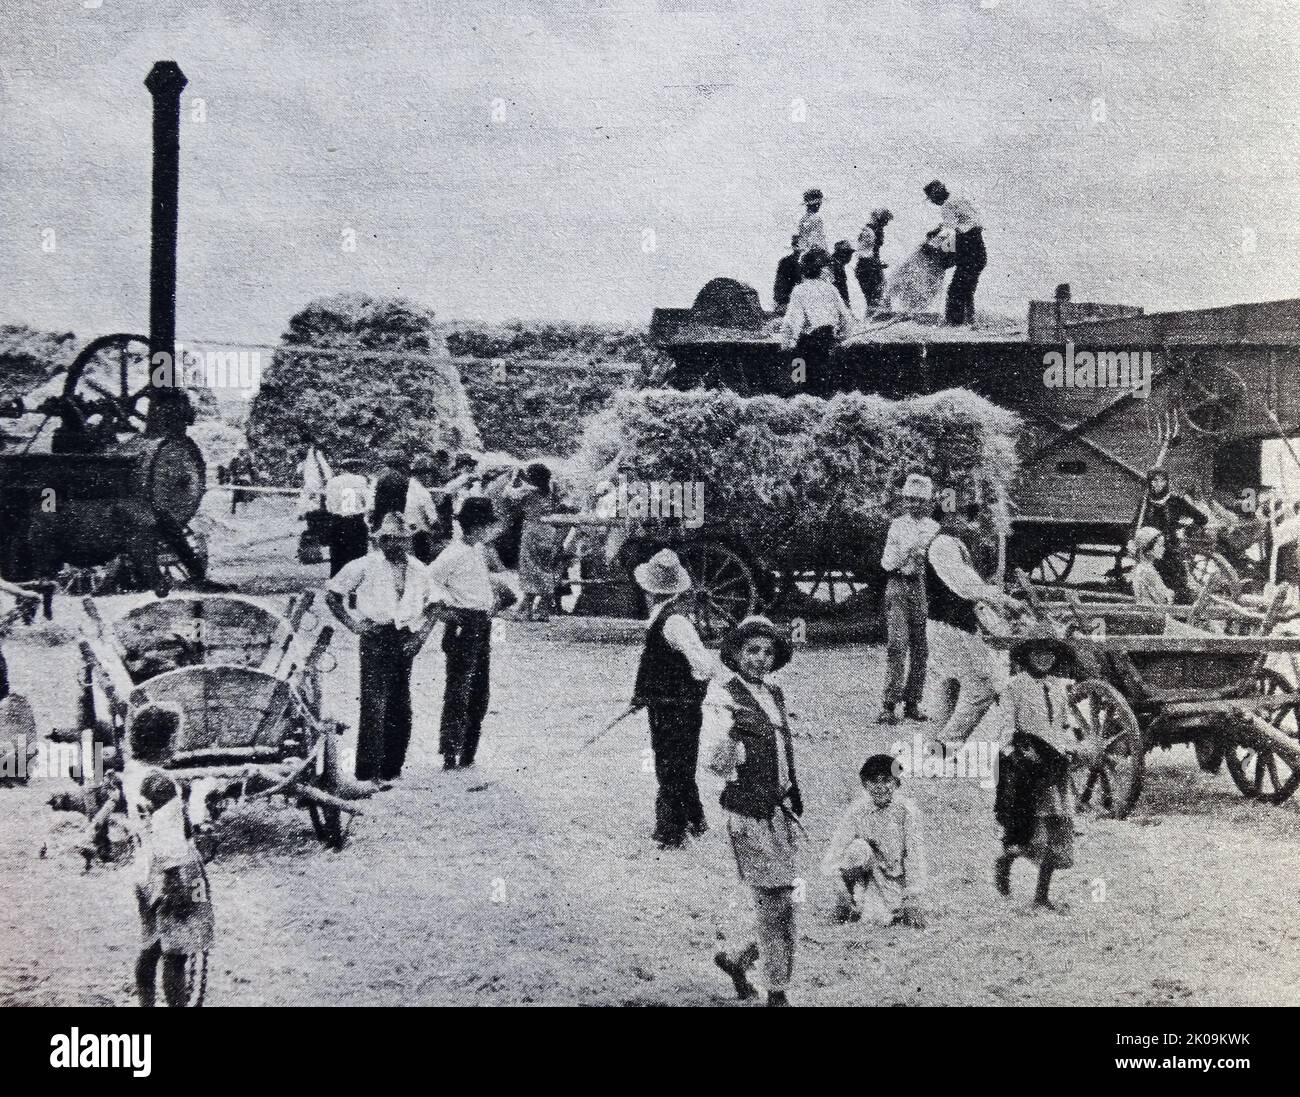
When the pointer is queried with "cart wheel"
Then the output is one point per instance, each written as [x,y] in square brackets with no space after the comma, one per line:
[1055,567]
[327,822]
[1105,721]
[725,592]
[1261,774]
[1212,569]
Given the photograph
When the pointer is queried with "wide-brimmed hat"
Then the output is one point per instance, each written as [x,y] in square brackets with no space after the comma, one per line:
[933,187]
[782,649]
[918,487]
[1063,659]
[392,528]
[662,574]
[813,194]
[880,217]
[476,512]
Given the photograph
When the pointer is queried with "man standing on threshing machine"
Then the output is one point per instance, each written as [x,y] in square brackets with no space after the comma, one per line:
[954,593]
[906,613]
[840,269]
[815,317]
[381,598]
[969,254]
[671,681]
[811,231]
[870,271]
[787,277]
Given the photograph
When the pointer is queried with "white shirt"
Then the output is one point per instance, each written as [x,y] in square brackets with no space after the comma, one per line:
[315,474]
[815,304]
[347,495]
[906,534]
[374,582]
[889,837]
[722,755]
[951,562]
[421,513]
[682,638]
[959,214]
[812,233]
[459,578]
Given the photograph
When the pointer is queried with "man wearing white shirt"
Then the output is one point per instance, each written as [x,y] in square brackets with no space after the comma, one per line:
[811,231]
[347,498]
[378,597]
[904,561]
[814,317]
[421,510]
[960,217]
[459,583]
[671,680]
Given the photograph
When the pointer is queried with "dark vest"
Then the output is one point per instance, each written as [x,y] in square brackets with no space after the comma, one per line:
[664,673]
[944,605]
[756,790]
[390,495]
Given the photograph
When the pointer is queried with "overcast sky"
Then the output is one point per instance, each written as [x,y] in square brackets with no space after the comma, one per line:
[501,160]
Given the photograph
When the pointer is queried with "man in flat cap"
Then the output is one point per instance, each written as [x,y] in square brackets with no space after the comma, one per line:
[812,233]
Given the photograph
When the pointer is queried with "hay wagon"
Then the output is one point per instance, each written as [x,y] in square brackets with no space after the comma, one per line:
[1218,383]
[247,684]
[1219,692]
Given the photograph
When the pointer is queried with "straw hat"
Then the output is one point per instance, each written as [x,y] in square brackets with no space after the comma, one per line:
[782,649]
[813,194]
[918,487]
[476,512]
[662,574]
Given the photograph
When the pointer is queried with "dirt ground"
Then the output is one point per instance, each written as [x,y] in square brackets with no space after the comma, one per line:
[531,877]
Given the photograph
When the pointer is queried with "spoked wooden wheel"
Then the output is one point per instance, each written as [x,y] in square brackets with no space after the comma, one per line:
[1055,567]
[1210,577]
[1212,396]
[1261,774]
[1110,732]
[724,592]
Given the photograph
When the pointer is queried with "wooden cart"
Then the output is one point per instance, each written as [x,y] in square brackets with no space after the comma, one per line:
[247,683]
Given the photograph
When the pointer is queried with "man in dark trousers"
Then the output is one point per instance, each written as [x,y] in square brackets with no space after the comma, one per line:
[671,681]
[840,268]
[969,254]
[391,487]
[787,277]
[380,597]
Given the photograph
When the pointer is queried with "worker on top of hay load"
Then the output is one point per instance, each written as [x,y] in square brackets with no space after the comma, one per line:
[955,591]
[870,271]
[840,269]
[811,231]
[906,613]
[970,258]
[787,277]
[814,318]
[377,597]
[671,680]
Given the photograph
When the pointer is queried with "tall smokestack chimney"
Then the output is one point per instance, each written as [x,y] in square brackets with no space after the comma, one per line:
[169,405]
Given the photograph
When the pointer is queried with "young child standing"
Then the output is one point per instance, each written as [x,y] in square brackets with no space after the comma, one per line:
[176,917]
[749,747]
[1035,803]
[877,855]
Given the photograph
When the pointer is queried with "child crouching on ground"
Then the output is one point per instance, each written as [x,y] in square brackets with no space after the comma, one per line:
[1035,802]
[176,916]
[877,855]
[748,745]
